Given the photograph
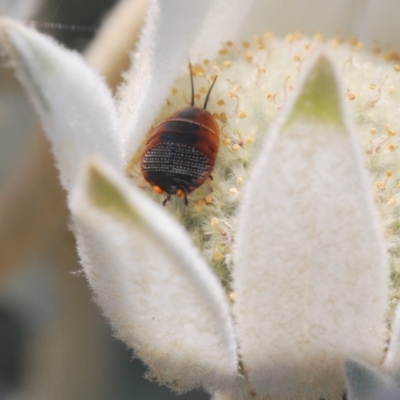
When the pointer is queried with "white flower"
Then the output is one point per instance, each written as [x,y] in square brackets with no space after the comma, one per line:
[21,9]
[308,267]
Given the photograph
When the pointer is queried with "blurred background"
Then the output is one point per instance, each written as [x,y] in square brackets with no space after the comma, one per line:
[54,343]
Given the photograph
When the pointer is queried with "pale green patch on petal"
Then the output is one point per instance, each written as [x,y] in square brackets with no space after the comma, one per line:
[319,99]
[168,35]
[308,249]
[75,105]
[152,284]
[366,383]
[392,360]
[106,196]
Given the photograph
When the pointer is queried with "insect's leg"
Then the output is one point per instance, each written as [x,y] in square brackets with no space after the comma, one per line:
[167,199]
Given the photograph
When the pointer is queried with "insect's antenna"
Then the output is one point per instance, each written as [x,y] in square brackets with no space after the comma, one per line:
[191,81]
[209,91]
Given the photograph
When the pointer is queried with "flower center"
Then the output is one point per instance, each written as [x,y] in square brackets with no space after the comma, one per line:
[255,78]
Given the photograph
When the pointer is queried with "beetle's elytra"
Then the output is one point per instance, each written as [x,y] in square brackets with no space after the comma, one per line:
[181,152]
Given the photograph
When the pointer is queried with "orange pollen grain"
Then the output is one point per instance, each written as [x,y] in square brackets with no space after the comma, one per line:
[249,56]
[214,221]
[351,96]
[289,38]
[198,206]
[249,139]
[209,199]
[201,203]
[236,147]
[389,173]
[335,44]
[391,56]
[317,36]
[390,131]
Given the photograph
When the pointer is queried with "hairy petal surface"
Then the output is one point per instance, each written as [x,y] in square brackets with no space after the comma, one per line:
[168,35]
[310,273]
[366,383]
[160,297]
[307,16]
[19,8]
[75,105]
[218,24]
[377,23]
[392,360]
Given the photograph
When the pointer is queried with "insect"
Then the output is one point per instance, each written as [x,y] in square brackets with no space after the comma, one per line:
[180,154]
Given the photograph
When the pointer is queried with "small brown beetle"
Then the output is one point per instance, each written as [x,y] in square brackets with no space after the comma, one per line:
[180,154]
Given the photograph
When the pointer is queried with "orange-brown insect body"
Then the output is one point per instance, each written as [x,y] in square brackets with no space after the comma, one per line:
[181,152]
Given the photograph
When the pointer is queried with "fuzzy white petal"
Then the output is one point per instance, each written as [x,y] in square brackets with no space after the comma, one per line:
[308,16]
[378,23]
[160,296]
[311,273]
[163,50]
[372,21]
[21,9]
[75,105]
[366,383]
[392,360]
[219,24]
